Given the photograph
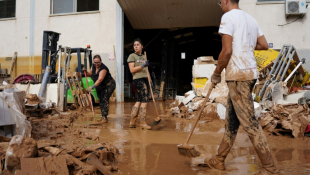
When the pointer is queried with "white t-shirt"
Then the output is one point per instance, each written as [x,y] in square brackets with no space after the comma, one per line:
[245,30]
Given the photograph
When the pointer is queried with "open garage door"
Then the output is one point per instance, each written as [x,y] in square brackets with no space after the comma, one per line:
[174,34]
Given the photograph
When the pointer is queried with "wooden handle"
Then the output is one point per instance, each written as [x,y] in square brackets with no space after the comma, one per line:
[148,78]
[200,112]
[89,96]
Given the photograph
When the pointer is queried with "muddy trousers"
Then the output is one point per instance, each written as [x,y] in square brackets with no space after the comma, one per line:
[240,111]
[104,93]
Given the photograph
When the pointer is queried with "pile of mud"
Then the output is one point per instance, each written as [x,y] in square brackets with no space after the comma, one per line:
[52,126]
[290,119]
[32,99]
[62,148]
[26,156]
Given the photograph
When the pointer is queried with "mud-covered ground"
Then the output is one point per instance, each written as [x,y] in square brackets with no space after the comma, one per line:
[154,152]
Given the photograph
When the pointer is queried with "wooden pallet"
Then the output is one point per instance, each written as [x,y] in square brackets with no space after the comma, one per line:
[80,95]
[39,112]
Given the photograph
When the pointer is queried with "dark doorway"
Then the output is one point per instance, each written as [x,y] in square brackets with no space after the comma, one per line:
[164,48]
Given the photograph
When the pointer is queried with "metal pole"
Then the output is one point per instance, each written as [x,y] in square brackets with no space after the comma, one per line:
[64,65]
[287,65]
[59,65]
[279,65]
[275,63]
[291,74]
[284,62]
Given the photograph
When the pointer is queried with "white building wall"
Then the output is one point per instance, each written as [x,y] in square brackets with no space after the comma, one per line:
[97,29]
[269,16]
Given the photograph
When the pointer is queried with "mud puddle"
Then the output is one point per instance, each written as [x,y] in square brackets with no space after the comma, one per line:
[155,152]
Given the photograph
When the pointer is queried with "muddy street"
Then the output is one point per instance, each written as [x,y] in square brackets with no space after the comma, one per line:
[155,151]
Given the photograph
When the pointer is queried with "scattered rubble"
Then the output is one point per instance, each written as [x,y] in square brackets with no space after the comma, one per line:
[19,147]
[291,118]
[49,142]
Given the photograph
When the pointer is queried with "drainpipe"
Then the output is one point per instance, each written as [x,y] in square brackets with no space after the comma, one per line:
[31,36]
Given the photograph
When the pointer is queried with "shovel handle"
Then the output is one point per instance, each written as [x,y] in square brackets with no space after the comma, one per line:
[89,96]
[199,113]
[148,78]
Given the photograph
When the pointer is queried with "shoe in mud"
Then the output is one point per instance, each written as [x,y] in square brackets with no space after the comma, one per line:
[132,123]
[102,120]
[272,170]
[143,125]
[215,164]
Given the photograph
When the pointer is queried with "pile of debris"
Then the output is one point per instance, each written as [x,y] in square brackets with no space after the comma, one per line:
[280,106]
[26,156]
[187,106]
[290,118]
[34,106]
[46,141]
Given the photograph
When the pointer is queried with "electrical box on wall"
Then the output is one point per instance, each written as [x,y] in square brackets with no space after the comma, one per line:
[295,7]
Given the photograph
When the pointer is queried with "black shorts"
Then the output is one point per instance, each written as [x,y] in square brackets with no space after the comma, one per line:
[141,85]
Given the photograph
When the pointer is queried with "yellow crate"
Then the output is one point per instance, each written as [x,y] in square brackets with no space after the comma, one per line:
[200,81]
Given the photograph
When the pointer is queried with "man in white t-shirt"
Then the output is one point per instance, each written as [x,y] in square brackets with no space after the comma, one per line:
[241,35]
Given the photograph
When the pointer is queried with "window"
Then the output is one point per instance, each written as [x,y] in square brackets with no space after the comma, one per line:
[73,6]
[7,8]
[270,0]
[274,1]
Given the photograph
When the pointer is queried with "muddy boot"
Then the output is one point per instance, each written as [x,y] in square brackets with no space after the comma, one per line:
[103,119]
[134,114]
[214,163]
[272,170]
[143,124]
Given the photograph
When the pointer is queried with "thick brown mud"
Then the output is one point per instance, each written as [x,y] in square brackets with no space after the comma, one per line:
[155,151]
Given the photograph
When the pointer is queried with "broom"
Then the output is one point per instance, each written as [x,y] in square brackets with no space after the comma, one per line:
[189,150]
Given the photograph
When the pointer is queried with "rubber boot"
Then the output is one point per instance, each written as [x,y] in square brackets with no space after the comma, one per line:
[143,124]
[103,119]
[134,114]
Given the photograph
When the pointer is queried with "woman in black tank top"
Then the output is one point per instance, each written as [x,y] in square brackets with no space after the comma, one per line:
[104,84]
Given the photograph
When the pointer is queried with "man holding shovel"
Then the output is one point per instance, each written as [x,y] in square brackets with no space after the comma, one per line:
[241,35]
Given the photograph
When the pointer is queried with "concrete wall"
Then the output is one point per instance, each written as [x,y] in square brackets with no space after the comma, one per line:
[97,29]
[269,16]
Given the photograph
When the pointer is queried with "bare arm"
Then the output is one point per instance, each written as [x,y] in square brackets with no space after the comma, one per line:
[134,69]
[102,74]
[261,43]
[225,54]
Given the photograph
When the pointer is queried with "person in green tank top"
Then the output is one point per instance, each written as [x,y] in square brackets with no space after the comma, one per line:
[138,67]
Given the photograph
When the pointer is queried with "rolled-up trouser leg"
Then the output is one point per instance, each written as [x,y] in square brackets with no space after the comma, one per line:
[240,93]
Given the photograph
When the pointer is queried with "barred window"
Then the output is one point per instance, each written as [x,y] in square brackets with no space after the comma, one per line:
[7,8]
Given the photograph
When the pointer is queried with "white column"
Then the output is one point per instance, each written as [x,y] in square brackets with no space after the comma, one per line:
[31,36]
[119,53]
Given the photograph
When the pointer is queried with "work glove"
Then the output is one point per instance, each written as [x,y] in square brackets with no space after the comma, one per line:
[215,78]
[145,64]
[89,89]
